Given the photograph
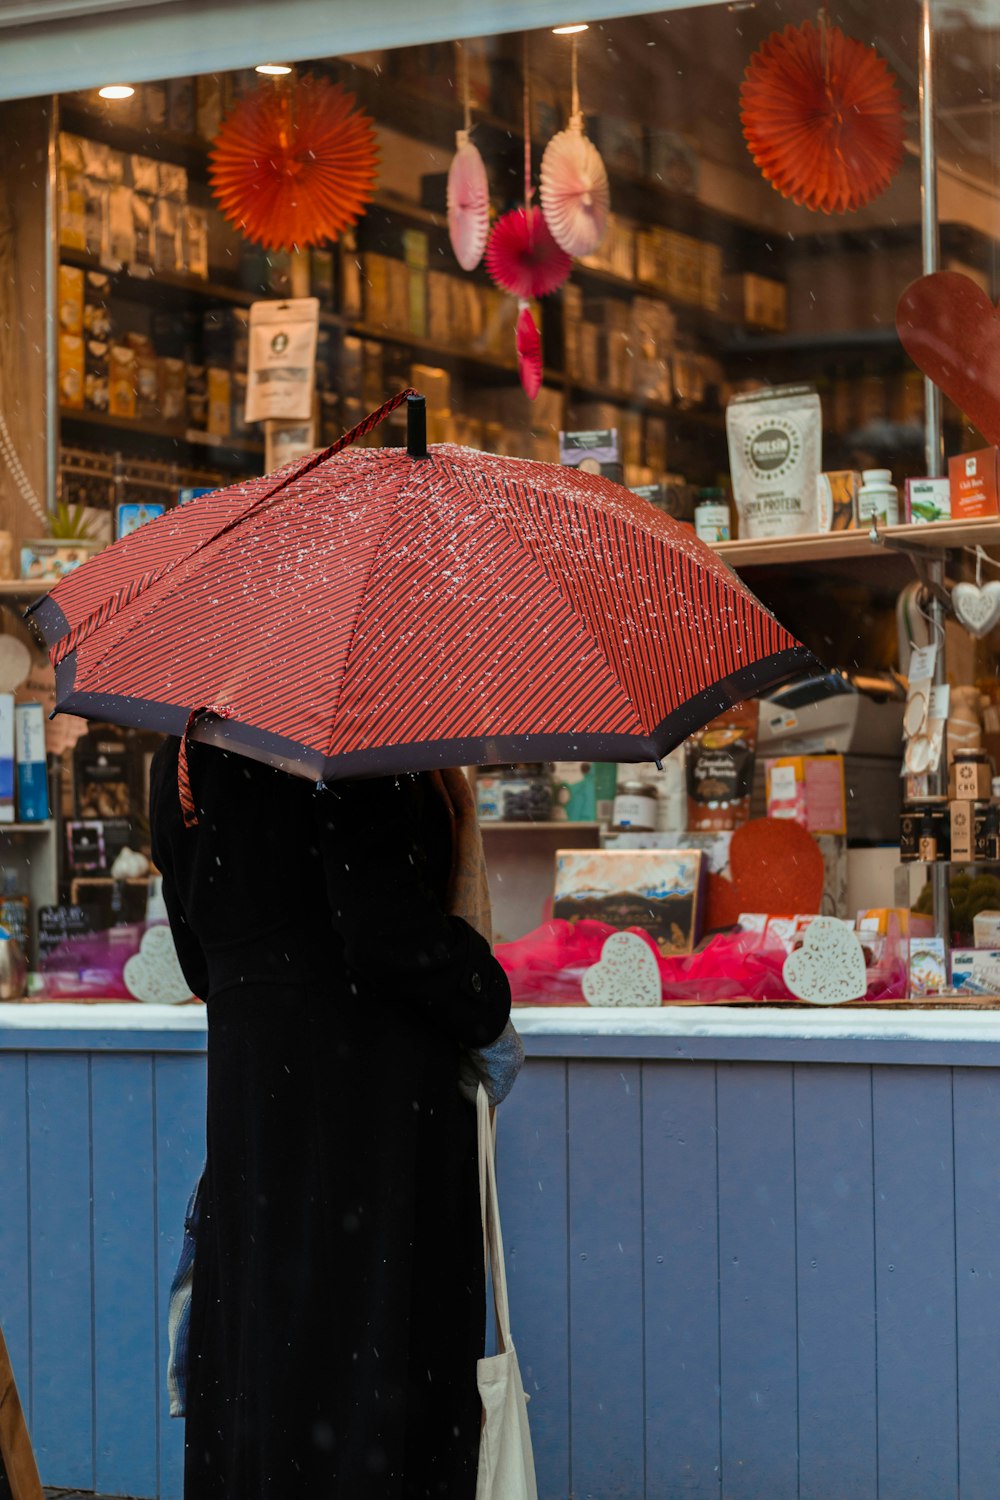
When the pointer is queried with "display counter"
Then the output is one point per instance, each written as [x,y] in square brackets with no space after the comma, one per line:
[755,1243]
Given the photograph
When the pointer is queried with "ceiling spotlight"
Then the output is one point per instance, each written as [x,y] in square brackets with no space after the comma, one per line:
[116,91]
[570,30]
[273,70]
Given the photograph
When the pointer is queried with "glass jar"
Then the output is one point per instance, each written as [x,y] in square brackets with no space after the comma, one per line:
[526,793]
[635,807]
[489,799]
[711,516]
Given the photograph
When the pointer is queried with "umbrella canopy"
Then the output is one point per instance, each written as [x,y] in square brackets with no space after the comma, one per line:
[372,610]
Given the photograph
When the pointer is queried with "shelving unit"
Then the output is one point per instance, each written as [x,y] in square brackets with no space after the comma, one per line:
[780,551]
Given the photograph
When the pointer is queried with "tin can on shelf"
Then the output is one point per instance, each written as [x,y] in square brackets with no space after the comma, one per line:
[635,807]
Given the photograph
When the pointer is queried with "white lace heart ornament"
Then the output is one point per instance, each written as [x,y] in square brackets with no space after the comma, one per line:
[977,607]
[829,968]
[625,974]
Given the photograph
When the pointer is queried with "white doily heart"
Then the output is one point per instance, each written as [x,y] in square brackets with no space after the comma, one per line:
[153,975]
[976,606]
[829,968]
[625,974]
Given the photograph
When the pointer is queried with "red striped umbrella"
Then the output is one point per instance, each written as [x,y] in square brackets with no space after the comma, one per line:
[371,610]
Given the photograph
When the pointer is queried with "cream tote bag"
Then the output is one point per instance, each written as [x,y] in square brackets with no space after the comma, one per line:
[506,1465]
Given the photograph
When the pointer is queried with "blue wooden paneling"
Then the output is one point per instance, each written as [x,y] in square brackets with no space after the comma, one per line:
[757,1290]
[179,1087]
[915,1283]
[125,1354]
[838,1445]
[680,1196]
[15,1283]
[977,1249]
[62,1374]
[531,1158]
[605,1282]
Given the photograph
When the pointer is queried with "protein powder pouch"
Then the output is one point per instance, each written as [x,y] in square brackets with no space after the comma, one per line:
[775,456]
[720,767]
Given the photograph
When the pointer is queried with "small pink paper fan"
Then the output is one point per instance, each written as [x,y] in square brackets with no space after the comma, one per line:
[468,203]
[523,258]
[529,353]
[574,190]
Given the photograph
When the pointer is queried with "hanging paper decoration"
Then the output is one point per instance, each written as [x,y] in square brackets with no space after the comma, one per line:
[468,204]
[529,353]
[468,187]
[822,117]
[521,255]
[523,258]
[574,191]
[294,165]
[574,183]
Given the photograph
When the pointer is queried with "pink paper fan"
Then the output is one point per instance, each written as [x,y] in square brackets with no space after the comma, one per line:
[574,191]
[529,353]
[468,203]
[522,257]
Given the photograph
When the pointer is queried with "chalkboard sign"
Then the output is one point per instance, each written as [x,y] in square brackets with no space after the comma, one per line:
[56,924]
[18,1472]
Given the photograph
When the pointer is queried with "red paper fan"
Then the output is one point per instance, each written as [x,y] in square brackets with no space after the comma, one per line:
[522,257]
[529,353]
[822,117]
[294,166]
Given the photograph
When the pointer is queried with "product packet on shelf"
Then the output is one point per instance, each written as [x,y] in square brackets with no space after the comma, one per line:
[720,767]
[775,441]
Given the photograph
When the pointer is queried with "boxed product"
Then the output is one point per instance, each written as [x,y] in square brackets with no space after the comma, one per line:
[810,790]
[71,282]
[582,789]
[122,381]
[973,484]
[173,391]
[72,370]
[130,515]
[8,801]
[101,776]
[656,890]
[93,845]
[986,929]
[220,401]
[32,769]
[594,452]
[928,500]
[975,971]
[758,300]
[928,966]
[837,500]
[47,559]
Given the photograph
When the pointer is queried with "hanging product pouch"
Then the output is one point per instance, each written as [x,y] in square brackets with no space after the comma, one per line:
[775,456]
[282,367]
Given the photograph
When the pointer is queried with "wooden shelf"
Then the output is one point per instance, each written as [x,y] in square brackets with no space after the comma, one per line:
[526,827]
[144,284]
[47,825]
[940,536]
[150,427]
[25,588]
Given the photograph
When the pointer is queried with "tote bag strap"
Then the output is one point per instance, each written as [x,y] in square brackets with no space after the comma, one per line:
[490,1213]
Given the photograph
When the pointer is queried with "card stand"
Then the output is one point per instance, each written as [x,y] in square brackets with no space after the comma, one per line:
[961,973]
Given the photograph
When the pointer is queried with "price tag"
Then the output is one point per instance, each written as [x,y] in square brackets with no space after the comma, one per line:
[940,701]
[922,662]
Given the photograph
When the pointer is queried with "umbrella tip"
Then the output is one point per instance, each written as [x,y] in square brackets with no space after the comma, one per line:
[416,427]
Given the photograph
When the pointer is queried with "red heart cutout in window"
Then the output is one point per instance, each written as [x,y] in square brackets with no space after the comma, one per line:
[775,866]
[951,330]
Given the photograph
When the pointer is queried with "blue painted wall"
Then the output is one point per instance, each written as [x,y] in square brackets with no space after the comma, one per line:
[740,1278]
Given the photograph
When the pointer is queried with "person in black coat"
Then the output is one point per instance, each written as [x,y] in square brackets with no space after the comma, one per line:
[338,1305]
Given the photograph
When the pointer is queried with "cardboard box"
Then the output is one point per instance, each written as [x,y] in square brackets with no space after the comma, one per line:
[986,929]
[656,890]
[220,402]
[758,300]
[971,780]
[45,559]
[973,484]
[928,500]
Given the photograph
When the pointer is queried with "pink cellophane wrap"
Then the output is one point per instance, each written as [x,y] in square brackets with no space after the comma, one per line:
[546,967]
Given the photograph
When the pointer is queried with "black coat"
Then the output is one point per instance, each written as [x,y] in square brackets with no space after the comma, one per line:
[338,1304]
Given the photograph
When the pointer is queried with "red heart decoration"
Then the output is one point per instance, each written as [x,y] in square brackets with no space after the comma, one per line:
[775,866]
[951,330]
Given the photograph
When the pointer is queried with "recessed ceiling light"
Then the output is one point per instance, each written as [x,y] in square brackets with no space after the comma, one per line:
[273,70]
[570,30]
[116,91]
